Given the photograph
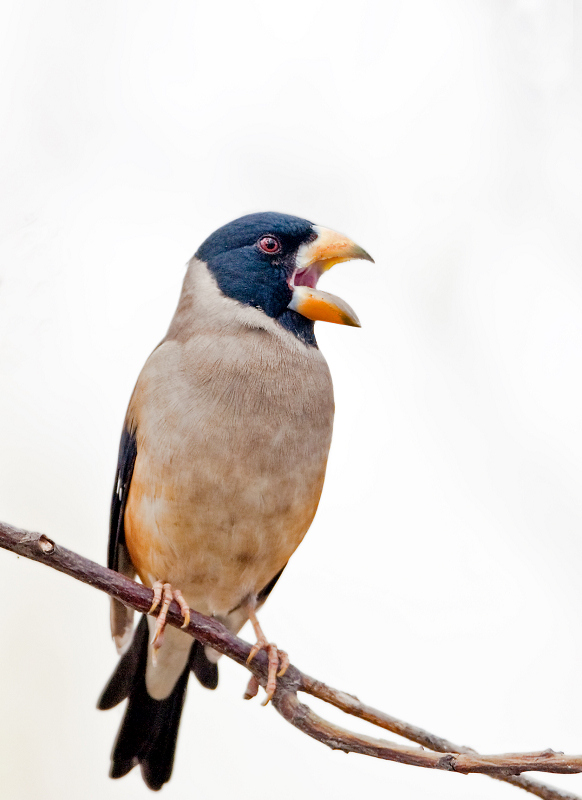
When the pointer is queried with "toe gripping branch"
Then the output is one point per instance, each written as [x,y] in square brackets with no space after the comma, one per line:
[278,660]
[164,593]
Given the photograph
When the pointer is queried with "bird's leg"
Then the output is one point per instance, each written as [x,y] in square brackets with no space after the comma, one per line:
[278,659]
[163,592]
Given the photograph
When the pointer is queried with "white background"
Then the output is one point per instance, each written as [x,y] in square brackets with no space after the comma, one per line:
[441,578]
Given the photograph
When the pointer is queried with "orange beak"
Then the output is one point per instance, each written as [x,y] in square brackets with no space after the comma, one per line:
[313,259]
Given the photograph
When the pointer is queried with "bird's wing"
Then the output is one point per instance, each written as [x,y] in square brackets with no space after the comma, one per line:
[125,465]
[118,555]
[266,591]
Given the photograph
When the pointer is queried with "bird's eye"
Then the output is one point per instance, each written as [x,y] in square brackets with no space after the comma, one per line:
[269,244]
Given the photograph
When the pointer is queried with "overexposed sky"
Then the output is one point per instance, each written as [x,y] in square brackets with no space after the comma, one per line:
[440,580]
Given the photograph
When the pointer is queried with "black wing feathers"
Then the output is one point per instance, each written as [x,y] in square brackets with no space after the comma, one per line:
[125,465]
[264,593]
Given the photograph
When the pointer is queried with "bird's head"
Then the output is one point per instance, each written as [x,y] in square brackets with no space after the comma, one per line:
[273,261]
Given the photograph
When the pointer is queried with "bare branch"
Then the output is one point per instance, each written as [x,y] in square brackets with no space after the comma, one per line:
[351,705]
[445,755]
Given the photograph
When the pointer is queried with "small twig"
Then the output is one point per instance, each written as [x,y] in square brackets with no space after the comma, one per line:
[445,755]
[351,705]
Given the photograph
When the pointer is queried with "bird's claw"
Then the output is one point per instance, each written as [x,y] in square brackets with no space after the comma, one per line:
[252,688]
[283,663]
[278,665]
[164,593]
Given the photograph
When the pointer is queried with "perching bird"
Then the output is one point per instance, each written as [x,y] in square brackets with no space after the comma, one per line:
[221,463]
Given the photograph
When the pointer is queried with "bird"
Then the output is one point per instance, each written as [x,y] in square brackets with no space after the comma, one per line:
[221,465]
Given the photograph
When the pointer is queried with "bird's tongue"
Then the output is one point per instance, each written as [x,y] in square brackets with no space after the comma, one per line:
[308,277]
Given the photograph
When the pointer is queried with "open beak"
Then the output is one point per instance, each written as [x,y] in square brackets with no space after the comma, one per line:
[313,259]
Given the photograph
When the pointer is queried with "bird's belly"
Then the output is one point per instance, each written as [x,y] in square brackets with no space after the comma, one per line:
[221,531]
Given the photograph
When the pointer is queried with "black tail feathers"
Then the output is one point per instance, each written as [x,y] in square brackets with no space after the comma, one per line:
[202,667]
[121,682]
[149,729]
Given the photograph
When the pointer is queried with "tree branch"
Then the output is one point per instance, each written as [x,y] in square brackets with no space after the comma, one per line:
[445,755]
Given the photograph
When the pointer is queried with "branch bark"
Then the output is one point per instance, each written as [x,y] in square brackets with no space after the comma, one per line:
[434,751]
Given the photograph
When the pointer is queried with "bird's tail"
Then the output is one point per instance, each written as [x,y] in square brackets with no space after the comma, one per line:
[149,729]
